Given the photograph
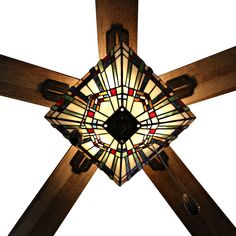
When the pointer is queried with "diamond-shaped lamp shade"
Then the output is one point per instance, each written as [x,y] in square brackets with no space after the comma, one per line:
[123,111]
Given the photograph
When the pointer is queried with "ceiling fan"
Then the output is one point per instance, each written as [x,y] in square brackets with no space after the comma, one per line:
[204,90]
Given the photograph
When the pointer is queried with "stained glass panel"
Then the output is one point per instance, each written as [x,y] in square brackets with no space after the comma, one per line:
[121,108]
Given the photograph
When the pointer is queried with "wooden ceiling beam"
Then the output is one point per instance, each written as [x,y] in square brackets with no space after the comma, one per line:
[211,221]
[110,12]
[23,81]
[215,75]
[55,199]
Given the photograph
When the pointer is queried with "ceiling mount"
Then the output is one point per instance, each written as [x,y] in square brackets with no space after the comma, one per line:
[116,35]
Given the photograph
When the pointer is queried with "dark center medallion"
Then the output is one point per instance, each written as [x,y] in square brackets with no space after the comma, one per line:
[121,125]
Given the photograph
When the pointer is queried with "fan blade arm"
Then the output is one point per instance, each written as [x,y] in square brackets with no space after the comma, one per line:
[53,202]
[122,12]
[211,220]
[24,81]
[214,75]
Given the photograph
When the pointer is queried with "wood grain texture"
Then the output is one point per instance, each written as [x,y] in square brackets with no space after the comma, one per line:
[211,221]
[215,75]
[21,80]
[110,12]
[55,199]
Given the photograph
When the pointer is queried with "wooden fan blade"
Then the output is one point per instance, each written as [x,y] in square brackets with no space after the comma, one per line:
[55,199]
[211,220]
[215,75]
[24,81]
[116,12]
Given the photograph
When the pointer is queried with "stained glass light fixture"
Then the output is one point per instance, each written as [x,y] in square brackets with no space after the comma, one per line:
[118,112]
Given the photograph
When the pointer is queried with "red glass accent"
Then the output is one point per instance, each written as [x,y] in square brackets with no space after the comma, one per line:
[152,131]
[90,114]
[131,92]
[113,92]
[90,130]
[113,151]
[60,102]
[129,152]
[152,114]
